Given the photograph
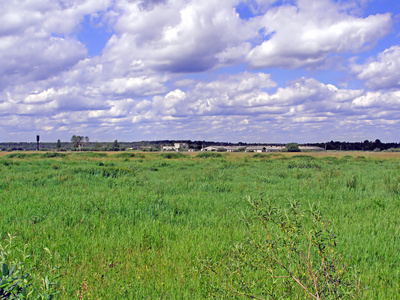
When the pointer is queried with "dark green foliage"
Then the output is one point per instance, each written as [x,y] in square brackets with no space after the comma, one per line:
[58,145]
[53,155]
[260,155]
[90,154]
[115,146]
[21,155]
[351,182]
[303,157]
[173,155]
[208,154]
[292,147]
[130,155]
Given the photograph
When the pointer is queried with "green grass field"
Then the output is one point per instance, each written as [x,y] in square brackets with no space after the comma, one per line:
[135,226]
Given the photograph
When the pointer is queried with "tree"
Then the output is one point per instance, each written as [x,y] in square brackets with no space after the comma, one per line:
[292,147]
[97,146]
[77,141]
[58,145]
[115,146]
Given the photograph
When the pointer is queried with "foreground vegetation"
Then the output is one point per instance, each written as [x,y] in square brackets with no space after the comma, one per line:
[134,225]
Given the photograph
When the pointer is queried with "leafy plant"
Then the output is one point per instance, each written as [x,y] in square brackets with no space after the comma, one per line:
[291,255]
[16,281]
[14,277]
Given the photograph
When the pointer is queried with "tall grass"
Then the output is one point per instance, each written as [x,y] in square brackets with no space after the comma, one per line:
[140,226]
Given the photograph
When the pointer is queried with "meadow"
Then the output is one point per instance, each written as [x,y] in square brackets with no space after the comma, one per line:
[157,226]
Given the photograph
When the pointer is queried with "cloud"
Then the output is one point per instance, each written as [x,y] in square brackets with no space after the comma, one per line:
[306,34]
[142,84]
[387,102]
[36,38]
[178,36]
[383,73]
[243,105]
[134,86]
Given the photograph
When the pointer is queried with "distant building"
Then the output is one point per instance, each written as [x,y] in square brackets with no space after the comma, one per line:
[210,148]
[256,149]
[233,148]
[175,147]
[178,146]
[311,148]
[265,148]
[168,148]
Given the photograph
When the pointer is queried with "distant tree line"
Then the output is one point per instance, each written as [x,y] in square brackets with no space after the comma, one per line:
[376,145]
[83,143]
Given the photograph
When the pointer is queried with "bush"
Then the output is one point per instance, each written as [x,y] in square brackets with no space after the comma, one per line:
[207,154]
[173,155]
[289,254]
[20,155]
[130,155]
[260,155]
[90,154]
[292,147]
[53,154]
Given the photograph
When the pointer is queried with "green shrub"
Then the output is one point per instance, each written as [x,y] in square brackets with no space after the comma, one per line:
[292,147]
[90,154]
[20,155]
[302,156]
[290,253]
[259,155]
[53,155]
[172,155]
[207,154]
[129,155]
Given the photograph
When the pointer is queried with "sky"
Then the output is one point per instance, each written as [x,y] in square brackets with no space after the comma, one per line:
[256,71]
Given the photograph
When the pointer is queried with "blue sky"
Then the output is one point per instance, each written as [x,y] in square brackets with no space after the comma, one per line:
[262,71]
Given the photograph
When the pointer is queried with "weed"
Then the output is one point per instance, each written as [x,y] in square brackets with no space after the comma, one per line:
[351,182]
[392,184]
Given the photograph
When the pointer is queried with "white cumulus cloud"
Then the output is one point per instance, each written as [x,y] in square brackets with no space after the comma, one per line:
[382,73]
[307,33]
